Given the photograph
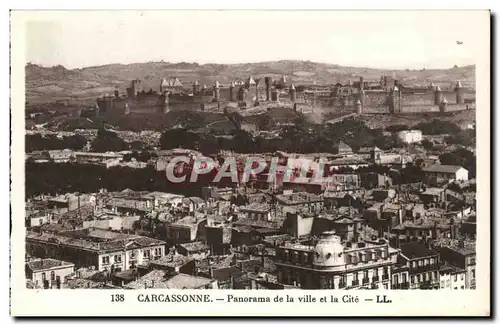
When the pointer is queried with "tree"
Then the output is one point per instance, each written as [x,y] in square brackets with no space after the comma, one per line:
[427,144]
[108,141]
[460,157]
[397,128]
[265,122]
[438,127]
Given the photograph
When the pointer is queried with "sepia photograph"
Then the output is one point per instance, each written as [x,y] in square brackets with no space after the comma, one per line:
[191,157]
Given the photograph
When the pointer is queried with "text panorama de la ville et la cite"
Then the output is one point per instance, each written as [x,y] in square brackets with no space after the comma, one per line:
[230,298]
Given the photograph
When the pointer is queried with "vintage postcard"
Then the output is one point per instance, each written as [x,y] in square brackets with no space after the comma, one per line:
[250,163]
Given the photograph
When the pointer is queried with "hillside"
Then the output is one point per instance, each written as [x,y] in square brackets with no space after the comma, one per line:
[49,84]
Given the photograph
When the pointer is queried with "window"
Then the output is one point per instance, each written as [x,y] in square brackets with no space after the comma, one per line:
[52,276]
[473,273]
[146,253]
[355,276]
[419,278]
[420,263]
[118,258]
[414,264]
[472,261]
[426,262]
[455,278]
[431,261]
[413,279]
[462,277]
[44,277]
[105,260]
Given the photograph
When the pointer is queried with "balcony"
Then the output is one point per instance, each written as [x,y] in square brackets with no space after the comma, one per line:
[400,286]
[422,269]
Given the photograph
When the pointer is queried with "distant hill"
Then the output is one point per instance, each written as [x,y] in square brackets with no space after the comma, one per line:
[49,84]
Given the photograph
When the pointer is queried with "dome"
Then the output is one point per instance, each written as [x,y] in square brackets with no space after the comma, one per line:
[329,252]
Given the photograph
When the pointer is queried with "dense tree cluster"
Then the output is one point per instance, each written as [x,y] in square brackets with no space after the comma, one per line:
[460,157]
[438,127]
[397,128]
[38,142]
[57,178]
[142,156]
[302,137]
[464,138]
[108,141]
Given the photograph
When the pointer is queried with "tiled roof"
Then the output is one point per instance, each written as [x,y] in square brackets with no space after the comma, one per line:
[416,250]
[46,264]
[195,246]
[442,168]
[185,281]
[171,261]
[87,240]
[155,279]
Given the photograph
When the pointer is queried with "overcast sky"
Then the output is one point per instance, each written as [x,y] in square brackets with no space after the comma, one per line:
[395,39]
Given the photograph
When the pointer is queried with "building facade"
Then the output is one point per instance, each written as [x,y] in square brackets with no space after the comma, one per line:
[333,265]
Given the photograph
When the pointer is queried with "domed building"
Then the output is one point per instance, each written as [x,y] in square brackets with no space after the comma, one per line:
[329,252]
[333,264]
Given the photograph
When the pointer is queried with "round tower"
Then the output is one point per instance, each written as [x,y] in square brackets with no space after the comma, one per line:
[362,97]
[269,83]
[196,88]
[166,102]
[329,252]
[275,95]
[232,95]
[359,107]
[293,93]
[136,86]
[438,96]
[242,94]
[443,105]
[459,91]
[217,91]
[395,100]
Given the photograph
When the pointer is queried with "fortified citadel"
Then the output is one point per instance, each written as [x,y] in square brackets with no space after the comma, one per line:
[385,96]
